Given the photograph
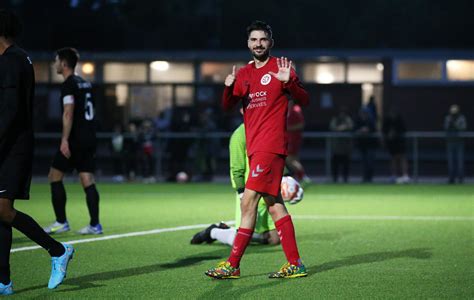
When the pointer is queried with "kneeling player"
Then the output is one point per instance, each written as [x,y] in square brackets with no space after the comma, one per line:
[265,232]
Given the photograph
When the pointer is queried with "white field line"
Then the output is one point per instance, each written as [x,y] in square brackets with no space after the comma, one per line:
[317,217]
[123,235]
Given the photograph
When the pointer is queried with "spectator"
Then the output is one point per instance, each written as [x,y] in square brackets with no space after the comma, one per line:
[147,159]
[341,146]
[177,148]
[131,151]
[162,121]
[295,126]
[117,150]
[393,134]
[455,123]
[207,148]
[371,108]
[364,129]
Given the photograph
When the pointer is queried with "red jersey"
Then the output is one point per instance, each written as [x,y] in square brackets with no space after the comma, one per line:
[295,136]
[265,105]
[295,116]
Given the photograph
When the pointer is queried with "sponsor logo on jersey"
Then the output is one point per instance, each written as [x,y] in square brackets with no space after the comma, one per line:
[257,99]
[258,94]
[266,79]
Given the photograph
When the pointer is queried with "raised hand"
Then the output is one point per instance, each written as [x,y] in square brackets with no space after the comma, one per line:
[229,80]
[284,68]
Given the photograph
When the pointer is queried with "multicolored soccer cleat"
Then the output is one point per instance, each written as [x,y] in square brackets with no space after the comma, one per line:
[89,229]
[224,271]
[6,290]
[290,271]
[59,267]
[57,227]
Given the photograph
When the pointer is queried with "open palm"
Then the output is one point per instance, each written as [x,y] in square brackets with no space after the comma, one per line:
[284,69]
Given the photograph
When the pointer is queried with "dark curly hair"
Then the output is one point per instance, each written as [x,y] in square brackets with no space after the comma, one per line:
[260,25]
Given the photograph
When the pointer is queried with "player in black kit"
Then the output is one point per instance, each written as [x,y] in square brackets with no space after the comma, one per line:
[78,144]
[17,87]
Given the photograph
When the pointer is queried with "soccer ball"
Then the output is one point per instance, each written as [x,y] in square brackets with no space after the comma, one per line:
[291,191]
[182,177]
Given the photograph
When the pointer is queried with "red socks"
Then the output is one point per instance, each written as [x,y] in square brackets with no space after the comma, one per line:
[242,239]
[286,231]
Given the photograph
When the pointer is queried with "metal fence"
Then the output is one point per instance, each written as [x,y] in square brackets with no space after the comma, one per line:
[426,152]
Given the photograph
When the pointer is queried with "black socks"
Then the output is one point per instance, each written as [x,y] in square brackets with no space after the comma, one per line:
[5,246]
[58,197]
[92,197]
[26,225]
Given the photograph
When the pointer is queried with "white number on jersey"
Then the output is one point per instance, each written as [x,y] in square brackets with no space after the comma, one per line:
[89,108]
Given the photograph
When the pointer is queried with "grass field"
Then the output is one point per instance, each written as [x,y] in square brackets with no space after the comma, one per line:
[358,241]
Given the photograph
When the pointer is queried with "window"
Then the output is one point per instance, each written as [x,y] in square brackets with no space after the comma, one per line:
[148,101]
[184,95]
[163,71]
[419,70]
[324,73]
[125,72]
[462,70]
[365,72]
[217,71]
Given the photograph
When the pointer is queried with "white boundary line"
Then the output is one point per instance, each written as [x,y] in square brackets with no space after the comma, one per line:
[122,235]
[298,217]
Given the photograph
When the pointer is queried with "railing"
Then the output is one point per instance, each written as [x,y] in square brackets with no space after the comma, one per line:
[413,138]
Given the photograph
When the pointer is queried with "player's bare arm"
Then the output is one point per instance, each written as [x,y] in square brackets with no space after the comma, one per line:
[67,126]
[284,69]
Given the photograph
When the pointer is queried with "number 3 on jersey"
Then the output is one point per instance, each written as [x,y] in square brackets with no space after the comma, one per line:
[89,108]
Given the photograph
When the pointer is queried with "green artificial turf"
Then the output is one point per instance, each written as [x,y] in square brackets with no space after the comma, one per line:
[345,236]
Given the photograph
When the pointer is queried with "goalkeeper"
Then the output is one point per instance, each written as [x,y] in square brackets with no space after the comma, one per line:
[265,232]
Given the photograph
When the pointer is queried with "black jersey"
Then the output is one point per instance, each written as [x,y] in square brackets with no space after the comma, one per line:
[78,91]
[17,89]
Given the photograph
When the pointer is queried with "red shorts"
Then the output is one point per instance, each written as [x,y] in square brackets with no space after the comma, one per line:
[266,171]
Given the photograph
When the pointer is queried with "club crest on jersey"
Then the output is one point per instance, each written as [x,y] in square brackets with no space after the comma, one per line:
[266,79]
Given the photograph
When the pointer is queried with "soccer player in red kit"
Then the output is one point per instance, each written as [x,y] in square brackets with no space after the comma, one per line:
[295,126]
[262,86]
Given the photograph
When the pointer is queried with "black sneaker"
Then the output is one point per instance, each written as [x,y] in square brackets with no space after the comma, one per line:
[205,235]
[223,225]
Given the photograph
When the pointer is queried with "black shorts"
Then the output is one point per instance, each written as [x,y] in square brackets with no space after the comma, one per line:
[82,160]
[396,147]
[15,176]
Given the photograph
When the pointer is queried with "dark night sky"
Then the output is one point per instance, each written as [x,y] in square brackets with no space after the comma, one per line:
[114,25]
